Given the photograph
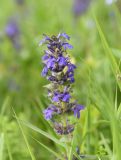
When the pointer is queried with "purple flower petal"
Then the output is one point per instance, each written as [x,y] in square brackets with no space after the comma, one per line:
[56,97]
[51,78]
[67,46]
[71,78]
[46,38]
[50,111]
[66,97]
[51,63]
[44,71]
[64,35]
[62,61]
[45,57]
[77,110]
[71,68]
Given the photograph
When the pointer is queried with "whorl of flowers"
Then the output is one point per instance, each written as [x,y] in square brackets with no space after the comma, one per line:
[59,71]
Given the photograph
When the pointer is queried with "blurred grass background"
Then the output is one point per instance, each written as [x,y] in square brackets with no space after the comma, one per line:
[96,37]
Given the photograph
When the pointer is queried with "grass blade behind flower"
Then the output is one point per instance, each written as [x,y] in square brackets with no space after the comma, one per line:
[26,141]
[49,149]
[41,132]
[1,145]
[108,51]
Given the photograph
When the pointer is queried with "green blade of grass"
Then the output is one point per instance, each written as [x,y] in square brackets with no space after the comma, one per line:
[118,16]
[49,149]
[119,111]
[70,149]
[8,147]
[5,103]
[115,68]
[1,145]
[26,141]
[116,52]
[77,156]
[42,132]
[108,51]
[106,145]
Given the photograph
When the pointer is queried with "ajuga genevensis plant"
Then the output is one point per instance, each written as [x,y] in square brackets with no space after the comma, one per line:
[59,71]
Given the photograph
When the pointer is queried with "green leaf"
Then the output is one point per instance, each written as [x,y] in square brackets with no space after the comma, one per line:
[119,111]
[106,145]
[108,51]
[49,149]
[8,147]
[42,132]
[26,141]
[1,145]
[6,102]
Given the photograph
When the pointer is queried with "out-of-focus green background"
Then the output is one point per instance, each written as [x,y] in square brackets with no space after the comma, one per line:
[21,86]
